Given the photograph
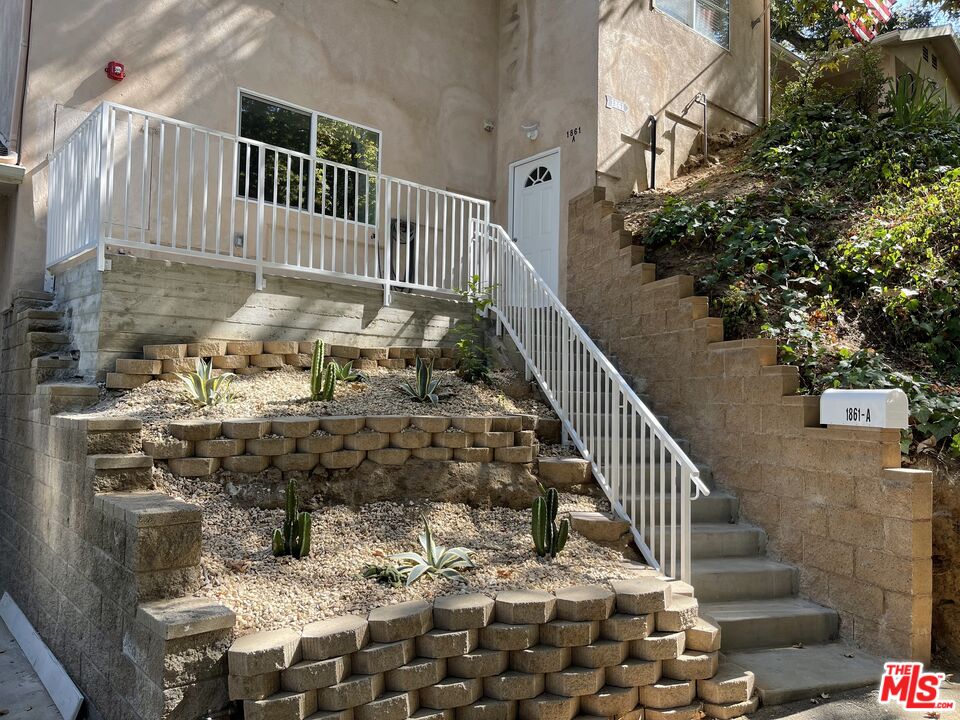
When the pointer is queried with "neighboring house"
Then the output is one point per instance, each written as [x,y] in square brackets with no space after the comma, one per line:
[522,103]
[933,52]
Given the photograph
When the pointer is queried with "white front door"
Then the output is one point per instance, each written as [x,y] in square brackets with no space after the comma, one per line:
[535,213]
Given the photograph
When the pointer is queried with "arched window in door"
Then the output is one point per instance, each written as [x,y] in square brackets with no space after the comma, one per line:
[538,175]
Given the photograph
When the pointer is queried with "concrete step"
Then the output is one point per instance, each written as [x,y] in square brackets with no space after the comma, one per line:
[786,674]
[560,472]
[725,579]
[777,622]
[599,527]
[67,396]
[48,338]
[29,303]
[35,314]
[654,471]
[724,539]
[33,295]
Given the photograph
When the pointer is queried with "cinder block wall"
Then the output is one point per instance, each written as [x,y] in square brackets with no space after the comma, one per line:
[629,650]
[88,568]
[146,301]
[833,501]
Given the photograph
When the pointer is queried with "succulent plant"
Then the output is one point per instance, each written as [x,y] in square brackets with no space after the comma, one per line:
[548,537]
[294,537]
[437,560]
[346,373]
[323,376]
[205,390]
[388,574]
[426,387]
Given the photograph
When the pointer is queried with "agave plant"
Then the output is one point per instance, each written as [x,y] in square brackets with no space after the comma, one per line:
[426,387]
[346,373]
[437,560]
[205,390]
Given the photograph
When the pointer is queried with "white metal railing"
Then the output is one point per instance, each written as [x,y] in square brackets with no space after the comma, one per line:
[137,181]
[647,477]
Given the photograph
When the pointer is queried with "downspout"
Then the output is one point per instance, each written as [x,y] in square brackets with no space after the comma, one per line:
[767,64]
[653,151]
[24,60]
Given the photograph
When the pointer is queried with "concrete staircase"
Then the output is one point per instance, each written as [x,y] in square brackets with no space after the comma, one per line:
[51,357]
[787,642]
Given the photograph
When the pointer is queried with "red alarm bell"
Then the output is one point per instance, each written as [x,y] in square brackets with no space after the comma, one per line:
[115,71]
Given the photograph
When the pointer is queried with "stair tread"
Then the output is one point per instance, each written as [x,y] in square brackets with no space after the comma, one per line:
[787,674]
[734,563]
[737,610]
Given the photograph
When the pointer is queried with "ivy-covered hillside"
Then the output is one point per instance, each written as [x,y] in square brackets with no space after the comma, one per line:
[837,232]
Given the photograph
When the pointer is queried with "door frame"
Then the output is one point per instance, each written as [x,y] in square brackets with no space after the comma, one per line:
[510,187]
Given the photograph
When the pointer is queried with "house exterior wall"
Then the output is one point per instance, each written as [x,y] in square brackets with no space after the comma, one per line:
[548,74]
[655,63]
[423,73]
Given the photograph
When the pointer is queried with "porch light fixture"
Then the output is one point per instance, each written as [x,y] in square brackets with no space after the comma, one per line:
[532,130]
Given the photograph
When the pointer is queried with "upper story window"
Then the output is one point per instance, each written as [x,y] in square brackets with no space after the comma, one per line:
[307,147]
[710,18]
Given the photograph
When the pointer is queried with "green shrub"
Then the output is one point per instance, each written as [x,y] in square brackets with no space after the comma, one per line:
[905,263]
[472,353]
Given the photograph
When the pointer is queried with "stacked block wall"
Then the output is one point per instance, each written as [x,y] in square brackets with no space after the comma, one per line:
[250,357]
[630,650]
[833,501]
[145,301]
[199,448]
[85,546]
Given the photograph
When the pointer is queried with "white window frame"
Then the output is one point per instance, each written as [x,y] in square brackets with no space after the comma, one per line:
[314,114]
[693,16]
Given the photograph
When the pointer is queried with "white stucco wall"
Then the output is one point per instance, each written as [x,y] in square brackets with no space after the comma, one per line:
[548,74]
[655,63]
[425,73]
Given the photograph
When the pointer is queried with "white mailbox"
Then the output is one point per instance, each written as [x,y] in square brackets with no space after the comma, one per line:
[865,408]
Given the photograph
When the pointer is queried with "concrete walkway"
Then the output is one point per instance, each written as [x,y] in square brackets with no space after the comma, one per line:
[855,705]
[22,696]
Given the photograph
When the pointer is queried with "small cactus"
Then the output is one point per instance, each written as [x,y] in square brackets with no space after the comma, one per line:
[548,537]
[294,537]
[323,376]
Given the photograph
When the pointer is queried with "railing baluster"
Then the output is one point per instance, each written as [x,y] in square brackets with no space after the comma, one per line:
[144,180]
[176,179]
[163,132]
[188,244]
[127,178]
[219,192]
[206,192]
[246,200]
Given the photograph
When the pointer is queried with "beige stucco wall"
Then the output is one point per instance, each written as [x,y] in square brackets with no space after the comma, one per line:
[424,73]
[548,74]
[655,63]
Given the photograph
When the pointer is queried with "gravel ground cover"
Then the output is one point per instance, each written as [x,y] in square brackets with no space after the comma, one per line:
[268,592]
[286,392]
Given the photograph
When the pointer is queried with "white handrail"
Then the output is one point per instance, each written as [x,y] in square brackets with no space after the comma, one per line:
[132,180]
[641,468]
